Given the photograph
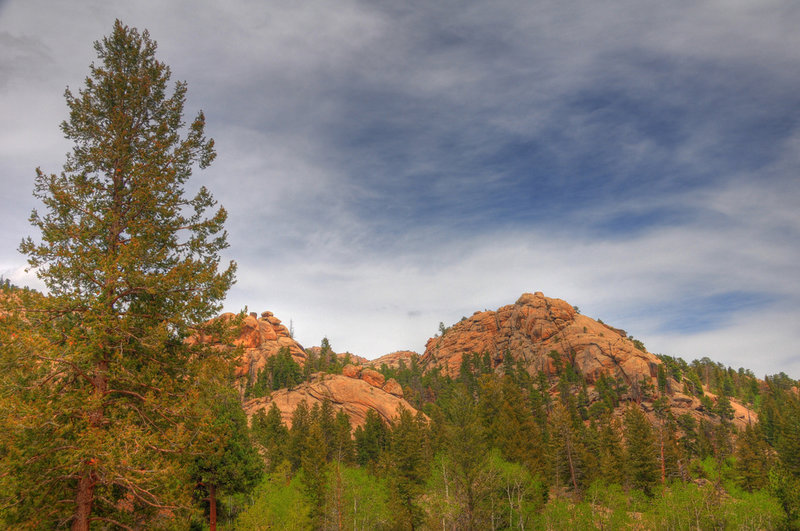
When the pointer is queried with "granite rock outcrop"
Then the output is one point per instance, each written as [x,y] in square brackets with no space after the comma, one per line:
[393,360]
[355,396]
[260,338]
[530,330]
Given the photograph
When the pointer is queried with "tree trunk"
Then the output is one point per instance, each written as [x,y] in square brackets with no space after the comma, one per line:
[663,464]
[339,510]
[571,464]
[212,507]
[470,507]
[84,497]
[83,501]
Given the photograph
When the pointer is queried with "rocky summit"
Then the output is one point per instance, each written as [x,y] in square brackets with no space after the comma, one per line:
[530,330]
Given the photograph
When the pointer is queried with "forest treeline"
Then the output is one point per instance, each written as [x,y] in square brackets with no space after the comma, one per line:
[497,448]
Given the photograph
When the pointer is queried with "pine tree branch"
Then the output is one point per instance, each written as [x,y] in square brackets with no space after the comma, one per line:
[111,521]
[71,364]
[129,393]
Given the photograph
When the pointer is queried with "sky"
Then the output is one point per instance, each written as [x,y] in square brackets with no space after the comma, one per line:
[391,165]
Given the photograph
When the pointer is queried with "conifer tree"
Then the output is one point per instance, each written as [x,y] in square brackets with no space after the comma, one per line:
[509,422]
[343,446]
[299,434]
[611,457]
[102,377]
[688,439]
[565,449]
[676,459]
[705,439]
[640,450]
[227,461]
[468,455]
[322,414]
[271,434]
[314,473]
[752,458]
[788,441]
[408,465]
[371,439]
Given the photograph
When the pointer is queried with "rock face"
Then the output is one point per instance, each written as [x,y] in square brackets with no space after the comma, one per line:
[260,338]
[352,394]
[528,330]
[374,378]
[393,360]
[533,327]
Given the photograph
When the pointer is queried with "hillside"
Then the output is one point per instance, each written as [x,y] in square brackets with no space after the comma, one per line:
[550,418]
[544,335]
[536,334]
[571,415]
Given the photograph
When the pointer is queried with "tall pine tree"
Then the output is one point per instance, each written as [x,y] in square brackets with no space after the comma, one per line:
[96,388]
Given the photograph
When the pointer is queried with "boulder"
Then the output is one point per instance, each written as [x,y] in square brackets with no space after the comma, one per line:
[351,371]
[373,377]
[393,388]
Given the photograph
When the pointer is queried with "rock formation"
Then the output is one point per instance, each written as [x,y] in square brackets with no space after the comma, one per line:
[393,360]
[373,378]
[533,327]
[355,391]
[260,339]
[528,331]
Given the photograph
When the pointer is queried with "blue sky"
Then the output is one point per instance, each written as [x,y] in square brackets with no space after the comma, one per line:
[390,165]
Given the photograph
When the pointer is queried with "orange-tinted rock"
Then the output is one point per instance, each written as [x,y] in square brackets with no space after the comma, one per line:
[533,327]
[259,339]
[742,415]
[351,371]
[373,377]
[355,397]
[267,332]
[393,388]
[250,333]
[353,358]
[393,360]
